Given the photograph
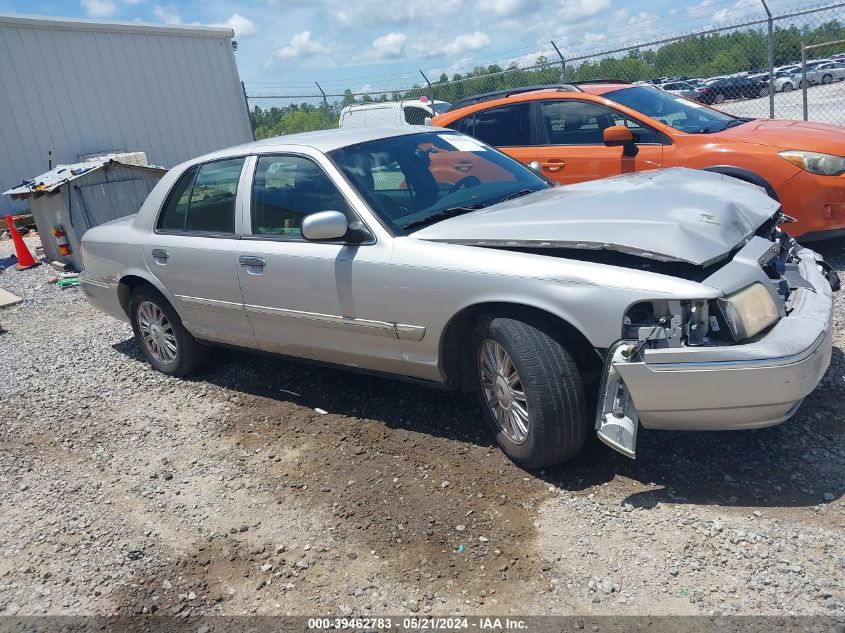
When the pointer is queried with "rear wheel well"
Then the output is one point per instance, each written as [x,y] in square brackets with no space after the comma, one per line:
[455,355]
[127,286]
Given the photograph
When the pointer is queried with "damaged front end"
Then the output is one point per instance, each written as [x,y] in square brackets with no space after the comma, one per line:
[709,364]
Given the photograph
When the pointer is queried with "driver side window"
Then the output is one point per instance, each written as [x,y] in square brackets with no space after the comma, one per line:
[573,122]
[288,188]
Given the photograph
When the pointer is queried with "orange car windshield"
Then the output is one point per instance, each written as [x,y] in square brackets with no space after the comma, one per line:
[682,114]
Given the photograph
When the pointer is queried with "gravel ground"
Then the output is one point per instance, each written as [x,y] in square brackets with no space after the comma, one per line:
[265,487]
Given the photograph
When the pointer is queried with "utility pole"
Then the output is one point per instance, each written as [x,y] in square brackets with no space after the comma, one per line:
[430,91]
[562,63]
[771,47]
[325,106]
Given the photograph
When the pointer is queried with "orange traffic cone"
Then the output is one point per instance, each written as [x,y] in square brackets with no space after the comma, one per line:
[25,258]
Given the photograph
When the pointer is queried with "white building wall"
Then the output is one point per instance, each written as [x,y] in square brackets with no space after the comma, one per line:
[77,87]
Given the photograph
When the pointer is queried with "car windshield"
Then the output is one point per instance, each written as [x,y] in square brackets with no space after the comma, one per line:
[680,113]
[415,180]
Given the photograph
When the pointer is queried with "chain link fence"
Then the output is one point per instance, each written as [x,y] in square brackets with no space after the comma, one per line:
[788,66]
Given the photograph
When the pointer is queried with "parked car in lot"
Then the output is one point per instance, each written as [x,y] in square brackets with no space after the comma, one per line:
[670,299]
[593,130]
[729,88]
[381,113]
[680,88]
[826,73]
[784,80]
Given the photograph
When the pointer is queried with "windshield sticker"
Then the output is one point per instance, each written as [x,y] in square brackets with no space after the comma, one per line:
[463,143]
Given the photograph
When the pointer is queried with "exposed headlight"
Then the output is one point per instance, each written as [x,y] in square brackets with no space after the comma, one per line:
[816,163]
[749,311]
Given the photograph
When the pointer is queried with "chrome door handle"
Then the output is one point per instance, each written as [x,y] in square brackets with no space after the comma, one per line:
[160,253]
[251,260]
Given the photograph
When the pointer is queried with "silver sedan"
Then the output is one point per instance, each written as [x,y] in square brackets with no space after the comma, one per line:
[670,299]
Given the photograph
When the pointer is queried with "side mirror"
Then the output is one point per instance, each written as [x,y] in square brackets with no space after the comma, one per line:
[535,165]
[617,135]
[427,121]
[325,225]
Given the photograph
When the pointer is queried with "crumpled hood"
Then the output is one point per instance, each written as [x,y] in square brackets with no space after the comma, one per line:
[673,214]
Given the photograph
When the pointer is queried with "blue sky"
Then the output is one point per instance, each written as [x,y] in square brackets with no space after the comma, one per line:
[364,44]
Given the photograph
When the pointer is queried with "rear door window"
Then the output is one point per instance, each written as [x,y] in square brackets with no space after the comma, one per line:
[212,207]
[504,126]
[203,199]
[175,212]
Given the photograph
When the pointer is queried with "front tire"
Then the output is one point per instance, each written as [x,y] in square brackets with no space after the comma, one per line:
[530,390]
[787,87]
[719,98]
[160,335]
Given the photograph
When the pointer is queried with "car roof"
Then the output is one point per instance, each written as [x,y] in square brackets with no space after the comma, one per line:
[321,140]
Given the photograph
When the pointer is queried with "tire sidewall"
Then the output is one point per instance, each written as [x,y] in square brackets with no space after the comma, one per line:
[178,367]
[519,453]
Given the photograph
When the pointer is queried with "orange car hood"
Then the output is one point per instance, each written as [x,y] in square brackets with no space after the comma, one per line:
[816,137]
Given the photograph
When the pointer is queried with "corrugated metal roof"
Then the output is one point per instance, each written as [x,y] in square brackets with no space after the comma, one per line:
[61,174]
[77,24]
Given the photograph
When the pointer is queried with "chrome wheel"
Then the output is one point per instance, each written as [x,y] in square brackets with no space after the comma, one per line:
[156,332]
[503,391]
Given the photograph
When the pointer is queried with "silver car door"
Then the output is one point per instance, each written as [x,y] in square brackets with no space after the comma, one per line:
[193,252]
[321,301]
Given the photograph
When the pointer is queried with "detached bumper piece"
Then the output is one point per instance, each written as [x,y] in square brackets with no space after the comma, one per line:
[618,419]
[727,387]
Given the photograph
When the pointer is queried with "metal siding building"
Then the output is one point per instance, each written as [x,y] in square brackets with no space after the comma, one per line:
[78,87]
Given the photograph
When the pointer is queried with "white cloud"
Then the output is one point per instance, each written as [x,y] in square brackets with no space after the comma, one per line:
[239,24]
[592,38]
[388,46]
[465,43]
[577,9]
[167,14]
[301,47]
[99,8]
[371,12]
[502,7]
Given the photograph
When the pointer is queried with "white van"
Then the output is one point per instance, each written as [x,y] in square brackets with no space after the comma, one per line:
[391,113]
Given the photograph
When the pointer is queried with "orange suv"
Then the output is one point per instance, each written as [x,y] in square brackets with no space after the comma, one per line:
[586,131]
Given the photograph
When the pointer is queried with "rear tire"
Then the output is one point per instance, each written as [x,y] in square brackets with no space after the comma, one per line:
[160,335]
[719,98]
[787,87]
[530,390]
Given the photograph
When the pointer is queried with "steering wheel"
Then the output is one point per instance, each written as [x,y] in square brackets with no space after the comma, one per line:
[464,183]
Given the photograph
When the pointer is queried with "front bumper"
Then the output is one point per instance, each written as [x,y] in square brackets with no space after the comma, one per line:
[737,386]
[817,203]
